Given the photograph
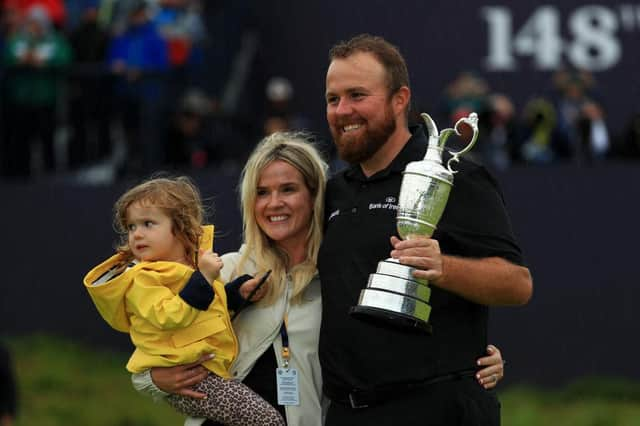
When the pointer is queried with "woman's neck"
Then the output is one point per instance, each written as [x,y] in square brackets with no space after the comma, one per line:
[296,255]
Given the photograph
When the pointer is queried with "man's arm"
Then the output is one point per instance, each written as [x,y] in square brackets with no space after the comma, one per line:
[487,281]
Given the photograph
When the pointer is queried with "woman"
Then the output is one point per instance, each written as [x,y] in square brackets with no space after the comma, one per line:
[282,196]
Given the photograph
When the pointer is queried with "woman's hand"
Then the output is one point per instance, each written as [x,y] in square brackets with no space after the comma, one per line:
[181,378]
[493,369]
[248,286]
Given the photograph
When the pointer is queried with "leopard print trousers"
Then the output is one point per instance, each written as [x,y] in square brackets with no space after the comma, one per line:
[228,402]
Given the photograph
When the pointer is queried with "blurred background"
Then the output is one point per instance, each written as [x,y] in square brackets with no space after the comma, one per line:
[98,94]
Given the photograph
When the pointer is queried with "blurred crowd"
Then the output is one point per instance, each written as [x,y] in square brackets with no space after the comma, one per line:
[565,124]
[119,86]
[109,88]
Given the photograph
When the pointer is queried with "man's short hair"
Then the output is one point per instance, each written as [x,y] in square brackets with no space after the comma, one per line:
[386,53]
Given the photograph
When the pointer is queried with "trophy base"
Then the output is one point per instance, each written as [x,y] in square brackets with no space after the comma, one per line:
[395,296]
[386,317]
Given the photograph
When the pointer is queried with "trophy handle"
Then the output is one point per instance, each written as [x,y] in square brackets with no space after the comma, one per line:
[433,130]
[472,121]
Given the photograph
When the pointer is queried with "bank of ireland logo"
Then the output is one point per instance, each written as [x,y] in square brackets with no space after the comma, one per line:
[389,203]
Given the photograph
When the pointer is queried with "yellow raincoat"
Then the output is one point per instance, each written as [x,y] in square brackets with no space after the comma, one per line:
[144,302]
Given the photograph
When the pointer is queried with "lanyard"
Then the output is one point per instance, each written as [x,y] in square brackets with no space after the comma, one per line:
[287,378]
[285,342]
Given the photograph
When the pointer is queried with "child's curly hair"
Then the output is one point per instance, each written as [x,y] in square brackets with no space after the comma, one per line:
[178,197]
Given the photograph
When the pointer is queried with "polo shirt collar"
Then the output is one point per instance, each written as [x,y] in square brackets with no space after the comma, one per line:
[415,148]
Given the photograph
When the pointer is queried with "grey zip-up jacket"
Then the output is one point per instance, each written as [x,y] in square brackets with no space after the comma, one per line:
[258,329]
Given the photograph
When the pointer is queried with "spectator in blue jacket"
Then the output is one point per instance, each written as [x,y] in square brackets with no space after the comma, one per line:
[138,61]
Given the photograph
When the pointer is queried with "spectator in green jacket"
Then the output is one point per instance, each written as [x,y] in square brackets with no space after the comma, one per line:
[34,58]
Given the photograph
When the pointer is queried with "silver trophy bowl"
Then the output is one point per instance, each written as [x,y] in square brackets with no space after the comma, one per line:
[393,294]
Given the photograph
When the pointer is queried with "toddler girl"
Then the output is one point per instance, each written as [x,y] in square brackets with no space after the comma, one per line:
[161,288]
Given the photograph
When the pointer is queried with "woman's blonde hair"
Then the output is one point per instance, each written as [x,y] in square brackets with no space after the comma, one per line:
[178,198]
[296,149]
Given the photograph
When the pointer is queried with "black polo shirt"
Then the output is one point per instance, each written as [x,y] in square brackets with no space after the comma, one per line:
[360,219]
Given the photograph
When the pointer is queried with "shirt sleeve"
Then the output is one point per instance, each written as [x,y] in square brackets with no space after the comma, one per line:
[232,289]
[143,383]
[475,222]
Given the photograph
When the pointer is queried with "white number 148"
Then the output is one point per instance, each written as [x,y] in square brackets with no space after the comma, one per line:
[593,45]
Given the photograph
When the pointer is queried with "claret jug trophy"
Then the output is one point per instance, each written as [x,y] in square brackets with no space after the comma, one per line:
[392,293]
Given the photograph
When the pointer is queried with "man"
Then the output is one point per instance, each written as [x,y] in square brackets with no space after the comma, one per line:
[8,392]
[367,106]
[376,373]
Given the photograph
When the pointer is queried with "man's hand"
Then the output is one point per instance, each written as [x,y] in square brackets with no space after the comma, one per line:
[490,281]
[181,378]
[422,253]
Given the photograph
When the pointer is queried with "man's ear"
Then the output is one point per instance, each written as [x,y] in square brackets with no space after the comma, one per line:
[400,100]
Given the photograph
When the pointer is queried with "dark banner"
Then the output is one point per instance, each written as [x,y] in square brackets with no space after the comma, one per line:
[517,47]
[577,227]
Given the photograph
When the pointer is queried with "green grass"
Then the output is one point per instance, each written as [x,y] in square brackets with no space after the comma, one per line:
[587,402]
[63,383]
[66,384]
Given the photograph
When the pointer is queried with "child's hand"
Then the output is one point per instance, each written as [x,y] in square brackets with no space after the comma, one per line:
[209,264]
[247,287]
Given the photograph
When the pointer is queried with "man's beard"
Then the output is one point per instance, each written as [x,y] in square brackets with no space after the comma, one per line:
[357,150]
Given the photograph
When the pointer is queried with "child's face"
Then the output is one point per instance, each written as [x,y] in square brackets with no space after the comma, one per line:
[151,234]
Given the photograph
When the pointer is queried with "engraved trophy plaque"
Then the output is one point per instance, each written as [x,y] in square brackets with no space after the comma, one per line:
[392,292]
